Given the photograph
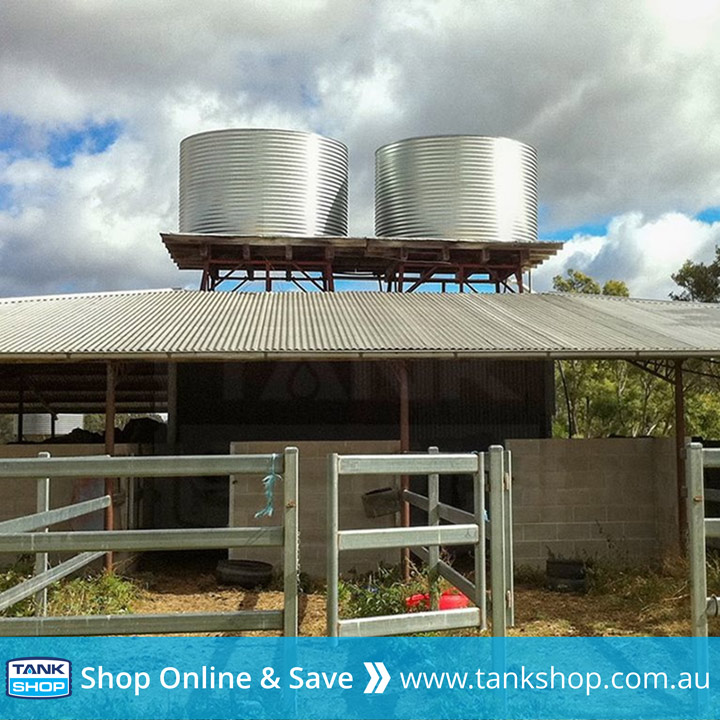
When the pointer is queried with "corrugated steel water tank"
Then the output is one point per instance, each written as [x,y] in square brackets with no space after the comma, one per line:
[457,186]
[263,182]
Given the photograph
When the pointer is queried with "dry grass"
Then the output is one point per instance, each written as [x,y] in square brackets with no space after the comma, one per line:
[650,601]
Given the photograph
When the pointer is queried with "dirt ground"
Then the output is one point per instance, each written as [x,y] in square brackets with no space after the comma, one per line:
[190,586]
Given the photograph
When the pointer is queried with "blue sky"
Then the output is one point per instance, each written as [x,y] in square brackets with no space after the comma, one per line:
[19,139]
[619,98]
[63,145]
[709,215]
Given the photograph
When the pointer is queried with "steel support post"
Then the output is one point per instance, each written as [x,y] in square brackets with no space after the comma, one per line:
[480,549]
[110,385]
[696,538]
[290,542]
[508,530]
[497,540]
[404,448]
[680,455]
[41,559]
[433,519]
[333,548]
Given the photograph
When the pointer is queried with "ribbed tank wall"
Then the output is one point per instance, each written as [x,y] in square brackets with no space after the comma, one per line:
[457,186]
[263,182]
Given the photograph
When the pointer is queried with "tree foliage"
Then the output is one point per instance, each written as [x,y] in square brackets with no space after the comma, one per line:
[579,282]
[600,398]
[698,281]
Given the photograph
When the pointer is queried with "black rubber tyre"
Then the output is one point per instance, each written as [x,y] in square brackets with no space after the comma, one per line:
[245,573]
[570,569]
[566,575]
[567,585]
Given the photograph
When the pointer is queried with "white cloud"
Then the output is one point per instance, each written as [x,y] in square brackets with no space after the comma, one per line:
[621,106]
[93,225]
[643,253]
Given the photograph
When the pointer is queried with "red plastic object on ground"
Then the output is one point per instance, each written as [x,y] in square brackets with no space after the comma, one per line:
[449,600]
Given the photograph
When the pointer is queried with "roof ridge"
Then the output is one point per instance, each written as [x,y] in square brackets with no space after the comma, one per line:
[599,297]
[79,295]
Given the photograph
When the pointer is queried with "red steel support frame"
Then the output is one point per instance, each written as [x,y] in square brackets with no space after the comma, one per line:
[397,264]
[398,275]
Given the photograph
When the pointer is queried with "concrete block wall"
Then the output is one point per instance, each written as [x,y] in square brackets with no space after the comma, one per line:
[247,497]
[610,498]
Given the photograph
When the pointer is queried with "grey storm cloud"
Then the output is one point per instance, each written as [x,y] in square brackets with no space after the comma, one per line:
[620,99]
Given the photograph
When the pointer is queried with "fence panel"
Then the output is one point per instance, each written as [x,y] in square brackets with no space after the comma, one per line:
[14,537]
[470,529]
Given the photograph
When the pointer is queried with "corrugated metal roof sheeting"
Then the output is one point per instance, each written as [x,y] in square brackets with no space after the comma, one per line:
[185,324]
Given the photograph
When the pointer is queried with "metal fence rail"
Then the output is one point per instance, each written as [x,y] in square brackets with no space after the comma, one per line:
[14,537]
[426,540]
[52,517]
[39,582]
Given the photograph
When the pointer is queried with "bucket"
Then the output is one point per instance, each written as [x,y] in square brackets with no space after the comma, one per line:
[448,600]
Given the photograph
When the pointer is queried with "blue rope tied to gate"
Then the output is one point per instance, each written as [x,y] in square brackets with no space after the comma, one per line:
[269,482]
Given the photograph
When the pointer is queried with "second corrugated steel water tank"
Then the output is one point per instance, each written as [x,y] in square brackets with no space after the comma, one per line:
[457,186]
[263,182]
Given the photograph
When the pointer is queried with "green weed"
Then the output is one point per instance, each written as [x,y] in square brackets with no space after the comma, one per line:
[382,592]
[102,594]
[13,575]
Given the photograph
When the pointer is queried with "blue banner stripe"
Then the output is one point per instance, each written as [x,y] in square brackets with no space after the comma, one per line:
[463,678]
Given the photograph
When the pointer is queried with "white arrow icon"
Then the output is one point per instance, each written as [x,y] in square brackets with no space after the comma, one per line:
[384,678]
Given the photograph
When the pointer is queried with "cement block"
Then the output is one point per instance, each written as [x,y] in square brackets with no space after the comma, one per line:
[556,513]
[573,531]
[589,513]
[591,549]
[524,514]
[540,531]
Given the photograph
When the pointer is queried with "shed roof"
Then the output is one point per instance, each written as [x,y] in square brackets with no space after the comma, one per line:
[192,325]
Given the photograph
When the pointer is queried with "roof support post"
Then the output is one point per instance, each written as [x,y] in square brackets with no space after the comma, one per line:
[680,455]
[172,406]
[110,385]
[21,410]
[401,370]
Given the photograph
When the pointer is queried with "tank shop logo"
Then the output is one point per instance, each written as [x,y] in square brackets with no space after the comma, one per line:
[38,677]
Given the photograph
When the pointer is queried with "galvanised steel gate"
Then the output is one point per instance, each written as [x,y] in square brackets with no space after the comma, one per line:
[15,537]
[488,469]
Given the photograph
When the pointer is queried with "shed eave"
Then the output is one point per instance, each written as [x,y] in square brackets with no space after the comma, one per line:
[372,355]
